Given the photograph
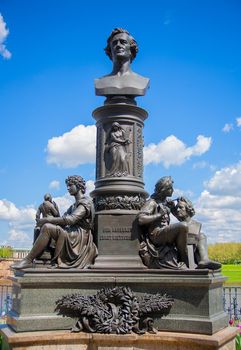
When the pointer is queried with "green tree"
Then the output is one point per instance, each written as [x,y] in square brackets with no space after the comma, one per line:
[6,252]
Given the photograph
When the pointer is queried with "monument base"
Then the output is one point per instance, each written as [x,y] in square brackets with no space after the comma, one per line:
[55,340]
[197,294]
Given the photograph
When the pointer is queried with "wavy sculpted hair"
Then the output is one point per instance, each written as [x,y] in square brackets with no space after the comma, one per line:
[78,181]
[133,43]
[188,205]
[161,186]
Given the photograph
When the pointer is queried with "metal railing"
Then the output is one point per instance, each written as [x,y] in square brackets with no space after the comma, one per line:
[5,300]
[232,302]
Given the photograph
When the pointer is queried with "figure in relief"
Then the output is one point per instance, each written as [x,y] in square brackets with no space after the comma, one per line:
[116,153]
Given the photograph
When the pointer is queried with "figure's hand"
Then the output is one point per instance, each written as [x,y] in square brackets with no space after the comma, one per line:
[41,222]
[171,204]
[157,216]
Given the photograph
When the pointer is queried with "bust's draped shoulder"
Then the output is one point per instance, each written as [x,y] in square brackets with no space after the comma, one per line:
[127,84]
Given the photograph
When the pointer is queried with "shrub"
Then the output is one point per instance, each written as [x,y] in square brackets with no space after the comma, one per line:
[6,252]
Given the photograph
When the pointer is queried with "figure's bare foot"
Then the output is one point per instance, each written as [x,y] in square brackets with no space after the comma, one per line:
[23,264]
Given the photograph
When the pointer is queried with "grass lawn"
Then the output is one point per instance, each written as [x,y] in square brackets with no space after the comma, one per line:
[233,272]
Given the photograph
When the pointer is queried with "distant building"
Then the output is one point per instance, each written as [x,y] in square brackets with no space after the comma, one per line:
[20,253]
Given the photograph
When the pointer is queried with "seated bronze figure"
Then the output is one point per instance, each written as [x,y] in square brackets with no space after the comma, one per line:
[74,247]
[184,212]
[164,245]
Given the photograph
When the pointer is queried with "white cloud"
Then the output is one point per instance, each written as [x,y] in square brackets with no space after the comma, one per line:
[238,121]
[226,181]
[21,222]
[9,211]
[73,148]
[200,165]
[90,186]
[54,185]
[3,35]
[63,202]
[220,216]
[203,164]
[227,128]
[173,151]
[218,206]
[20,236]
[180,193]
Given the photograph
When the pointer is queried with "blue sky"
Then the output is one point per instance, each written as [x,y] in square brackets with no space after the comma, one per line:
[50,53]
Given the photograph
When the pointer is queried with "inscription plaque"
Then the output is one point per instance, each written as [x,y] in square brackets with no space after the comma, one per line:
[117,234]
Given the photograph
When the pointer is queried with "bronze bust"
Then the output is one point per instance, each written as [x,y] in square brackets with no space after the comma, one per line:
[121,49]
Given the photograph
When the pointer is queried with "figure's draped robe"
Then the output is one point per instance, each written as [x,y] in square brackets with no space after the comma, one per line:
[155,249]
[75,247]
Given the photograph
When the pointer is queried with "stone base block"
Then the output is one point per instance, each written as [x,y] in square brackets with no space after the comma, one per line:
[64,340]
[197,294]
[113,262]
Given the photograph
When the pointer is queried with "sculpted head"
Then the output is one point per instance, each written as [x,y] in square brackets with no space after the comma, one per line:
[164,187]
[77,181]
[48,197]
[184,208]
[127,45]
[116,126]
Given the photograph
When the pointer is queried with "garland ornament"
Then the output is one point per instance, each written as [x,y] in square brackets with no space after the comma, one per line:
[114,310]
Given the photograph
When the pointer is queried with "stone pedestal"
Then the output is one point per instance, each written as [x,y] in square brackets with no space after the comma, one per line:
[119,189]
[117,238]
[64,340]
[197,294]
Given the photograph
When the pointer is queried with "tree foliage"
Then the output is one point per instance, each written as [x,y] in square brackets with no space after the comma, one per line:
[225,253]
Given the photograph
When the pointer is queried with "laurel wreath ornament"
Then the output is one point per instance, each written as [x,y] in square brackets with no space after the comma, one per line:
[113,310]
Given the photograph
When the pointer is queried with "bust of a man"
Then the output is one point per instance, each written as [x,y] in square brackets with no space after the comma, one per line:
[121,49]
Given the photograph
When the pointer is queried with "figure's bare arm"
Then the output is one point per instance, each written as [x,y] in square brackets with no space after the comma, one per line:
[121,141]
[147,214]
[56,208]
[51,220]
[55,211]
[145,219]
[70,218]
[73,218]
[38,213]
